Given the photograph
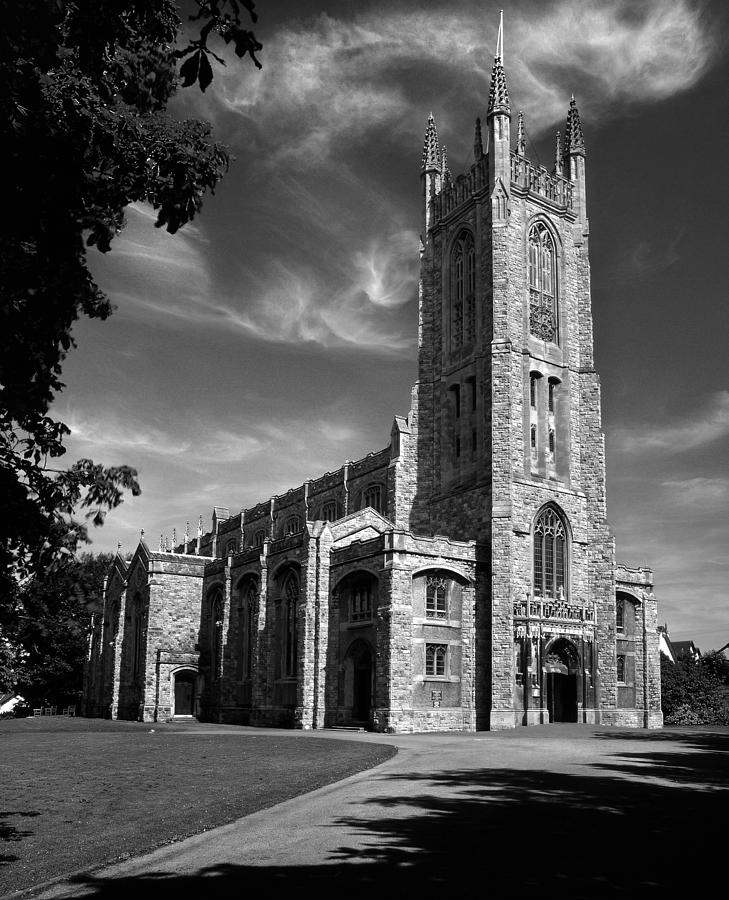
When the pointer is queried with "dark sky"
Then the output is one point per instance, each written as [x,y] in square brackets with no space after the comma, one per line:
[275,337]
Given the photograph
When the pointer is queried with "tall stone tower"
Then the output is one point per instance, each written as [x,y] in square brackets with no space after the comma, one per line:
[510,445]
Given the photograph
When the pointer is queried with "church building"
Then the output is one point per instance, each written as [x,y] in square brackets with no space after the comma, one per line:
[463,577]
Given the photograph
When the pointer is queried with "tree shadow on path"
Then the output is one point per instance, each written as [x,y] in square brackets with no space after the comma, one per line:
[645,822]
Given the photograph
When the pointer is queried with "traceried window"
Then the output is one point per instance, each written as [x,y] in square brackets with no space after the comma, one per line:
[621,668]
[259,537]
[289,600]
[292,525]
[436,597]
[435,659]
[361,602]
[542,284]
[620,615]
[216,632]
[231,548]
[138,657]
[463,291]
[550,555]
[329,511]
[373,497]
[248,611]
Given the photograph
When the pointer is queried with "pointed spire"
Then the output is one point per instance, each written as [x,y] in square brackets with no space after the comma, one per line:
[161,543]
[445,172]
[174,538]
[478,141]
[500,38]
[520,139]
[558,155]
[498,92]
[199,527]
[187,532]
[118,546]
[431,154]
[574,141]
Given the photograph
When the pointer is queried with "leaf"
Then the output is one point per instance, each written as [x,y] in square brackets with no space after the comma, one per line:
[206,72]
[189,69]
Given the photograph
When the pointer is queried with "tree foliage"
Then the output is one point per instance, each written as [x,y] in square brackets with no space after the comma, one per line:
[695,693]
[85,133]
[45,636]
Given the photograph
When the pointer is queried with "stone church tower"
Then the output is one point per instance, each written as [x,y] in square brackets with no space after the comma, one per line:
[464,576]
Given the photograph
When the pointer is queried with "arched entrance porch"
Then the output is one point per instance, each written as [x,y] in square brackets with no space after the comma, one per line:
[358,681]
[184,693]
[561,668]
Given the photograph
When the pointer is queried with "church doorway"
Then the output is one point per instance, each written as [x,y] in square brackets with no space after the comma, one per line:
[359,666]
[184,693]
[561,666]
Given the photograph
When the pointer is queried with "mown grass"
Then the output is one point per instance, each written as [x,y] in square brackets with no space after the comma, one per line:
[75,793]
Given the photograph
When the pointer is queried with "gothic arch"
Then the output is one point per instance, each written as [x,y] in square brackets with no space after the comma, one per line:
[543,254]
[551,552]
[461,286]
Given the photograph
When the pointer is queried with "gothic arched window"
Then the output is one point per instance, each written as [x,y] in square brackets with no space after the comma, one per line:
[543,321]
[463,291]
[550,554]
[289,600]
[248,610]
[373,497]
[216,632]
[138,637]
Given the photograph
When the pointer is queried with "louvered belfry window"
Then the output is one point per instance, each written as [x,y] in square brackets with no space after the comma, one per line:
[543,321]
[550,555]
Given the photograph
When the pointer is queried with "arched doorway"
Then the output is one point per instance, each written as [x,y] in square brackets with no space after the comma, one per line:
[561,667]
[184,693]
[358,678]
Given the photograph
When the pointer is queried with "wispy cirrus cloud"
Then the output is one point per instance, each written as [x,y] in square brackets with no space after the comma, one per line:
[706,425]
[616,52]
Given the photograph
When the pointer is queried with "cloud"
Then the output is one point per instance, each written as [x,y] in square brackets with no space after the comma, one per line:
[706,426]
[702,493]
[334,79]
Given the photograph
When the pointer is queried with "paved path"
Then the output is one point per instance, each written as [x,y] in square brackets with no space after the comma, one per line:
[561,810]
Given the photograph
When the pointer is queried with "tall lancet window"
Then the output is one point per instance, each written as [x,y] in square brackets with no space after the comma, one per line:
[542,284]
[550,555]
[463,291]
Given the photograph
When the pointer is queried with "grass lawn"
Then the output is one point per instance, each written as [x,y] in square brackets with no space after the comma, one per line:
[75,793]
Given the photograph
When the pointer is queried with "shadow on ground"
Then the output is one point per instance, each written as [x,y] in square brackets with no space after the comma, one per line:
[647,821]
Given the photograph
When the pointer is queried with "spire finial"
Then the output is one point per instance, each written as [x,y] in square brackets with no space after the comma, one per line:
[478,141]
[161,543]
[574,141]
[187,532]
[500,38]
[199,527]
[499,93]
[444,170]
[431,154]
[118,546]
[558,153]
[520,139]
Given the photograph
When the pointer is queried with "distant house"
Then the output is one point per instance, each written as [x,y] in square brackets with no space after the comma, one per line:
[8,702]
[664,643]
[686,649]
